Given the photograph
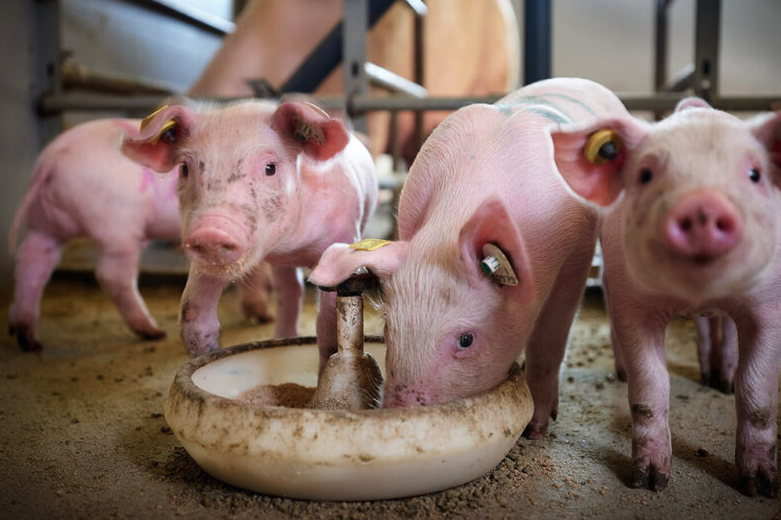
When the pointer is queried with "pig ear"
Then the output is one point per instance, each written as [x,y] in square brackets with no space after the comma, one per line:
[590,165]
[340,261]
[320,135]
[491,223]
[691,102]
[158,136]
[767,129]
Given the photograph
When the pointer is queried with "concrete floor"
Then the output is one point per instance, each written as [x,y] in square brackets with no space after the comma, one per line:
[82,433]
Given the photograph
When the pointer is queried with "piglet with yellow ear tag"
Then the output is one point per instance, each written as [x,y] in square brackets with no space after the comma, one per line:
[259,181]
[493,255]
[691,225]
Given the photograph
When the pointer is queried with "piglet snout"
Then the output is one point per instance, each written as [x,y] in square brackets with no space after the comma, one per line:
[703,226]
[215,241]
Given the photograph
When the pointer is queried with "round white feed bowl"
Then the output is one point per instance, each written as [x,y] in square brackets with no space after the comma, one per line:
[334,455]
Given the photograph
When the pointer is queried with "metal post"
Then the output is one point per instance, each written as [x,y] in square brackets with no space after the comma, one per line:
[419,77]
[706,49]
[536,40]
[356,16]
[48,77]
[660,44]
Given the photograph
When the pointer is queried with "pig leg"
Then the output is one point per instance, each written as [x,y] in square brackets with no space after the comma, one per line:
[326,327]
[289,290]
[756,400]
[117,273]
[641,339]
[548,343]
[726,357]
[200,326]
[36,258]
[706,339]
[255,288]
[717,348]
[618,359]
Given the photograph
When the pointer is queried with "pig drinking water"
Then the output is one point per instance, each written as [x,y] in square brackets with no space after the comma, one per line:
[258,181]
[485,178]
[696,229]
[82,186]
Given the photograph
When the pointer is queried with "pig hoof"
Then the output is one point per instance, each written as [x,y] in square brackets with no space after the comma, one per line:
[763,483]
[26,341]
[154,334]
[648,477]
[534,432]
[621,375]
[726,387]
[28,345]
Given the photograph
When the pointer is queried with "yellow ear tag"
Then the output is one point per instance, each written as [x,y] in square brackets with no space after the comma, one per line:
[168,125]
[603,146]
[148,118]
[369,244]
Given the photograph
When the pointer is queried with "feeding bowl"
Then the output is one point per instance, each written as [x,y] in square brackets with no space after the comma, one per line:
[333,455]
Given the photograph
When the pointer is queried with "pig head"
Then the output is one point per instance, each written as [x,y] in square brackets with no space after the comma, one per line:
[691,226]
[451,330]
[258,181]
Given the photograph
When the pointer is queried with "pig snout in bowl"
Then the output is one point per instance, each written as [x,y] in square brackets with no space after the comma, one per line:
[215,240]
[702,227]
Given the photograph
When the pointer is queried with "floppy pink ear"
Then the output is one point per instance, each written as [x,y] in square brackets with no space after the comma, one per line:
[156,141]
[491,223]
[691,102]
[320,135]
[339,262]
[767,129]
[599,181]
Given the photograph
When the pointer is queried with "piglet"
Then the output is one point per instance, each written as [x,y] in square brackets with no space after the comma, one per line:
[258,181]
[82,186]
[692,227]
[484,189]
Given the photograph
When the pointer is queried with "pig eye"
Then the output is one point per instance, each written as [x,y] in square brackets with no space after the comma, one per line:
[754,175]
[271,169]
[465,340]
[646,176]
[183,172]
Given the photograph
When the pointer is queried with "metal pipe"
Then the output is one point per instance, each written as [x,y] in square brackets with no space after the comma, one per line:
[418,76]
[417,6]
[537,24]
[706,49]
[75,75]
[193,15]
[663,101]
[660,44]
[393,82]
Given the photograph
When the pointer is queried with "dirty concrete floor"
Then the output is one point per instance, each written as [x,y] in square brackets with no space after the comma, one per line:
[82,433]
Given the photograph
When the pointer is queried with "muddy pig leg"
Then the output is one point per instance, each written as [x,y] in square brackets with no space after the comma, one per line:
[198,320]
[756,401]
[289,290]
[254,289]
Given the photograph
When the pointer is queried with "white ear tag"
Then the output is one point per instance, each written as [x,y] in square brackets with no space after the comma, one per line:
[498,266]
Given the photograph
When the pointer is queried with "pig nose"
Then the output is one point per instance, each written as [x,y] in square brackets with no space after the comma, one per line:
[703,226]
[212,245]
